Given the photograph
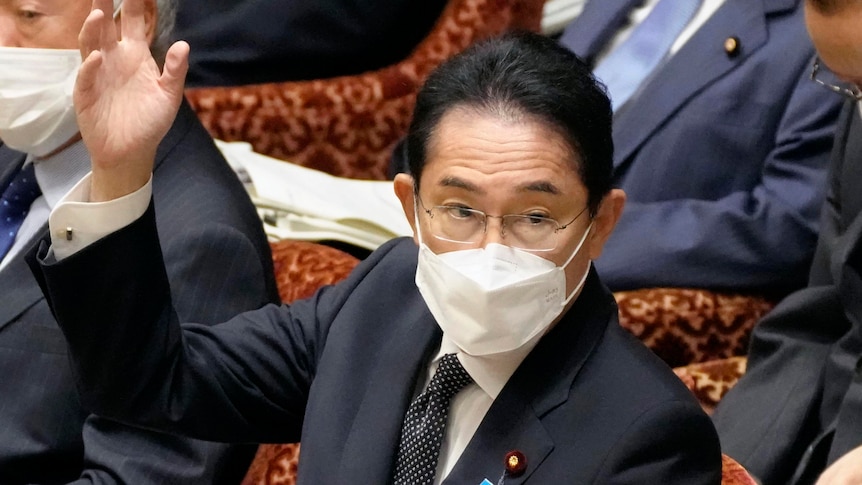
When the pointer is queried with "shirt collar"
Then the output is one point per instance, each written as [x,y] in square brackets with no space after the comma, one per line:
[57,174]
[489,372]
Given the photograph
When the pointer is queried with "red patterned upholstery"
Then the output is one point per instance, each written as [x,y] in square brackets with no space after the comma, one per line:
[347,126]
[710,381]
[273,465]
[303,267]
[732,473]
[684,326]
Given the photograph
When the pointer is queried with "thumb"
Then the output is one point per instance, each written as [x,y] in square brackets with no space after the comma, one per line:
[176,67]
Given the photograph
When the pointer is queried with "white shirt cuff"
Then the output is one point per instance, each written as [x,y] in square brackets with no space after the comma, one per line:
[75,223]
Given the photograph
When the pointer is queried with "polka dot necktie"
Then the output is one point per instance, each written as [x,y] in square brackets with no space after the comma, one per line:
[422,432]
[15,204]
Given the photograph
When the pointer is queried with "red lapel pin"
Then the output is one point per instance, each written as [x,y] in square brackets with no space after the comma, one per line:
[516,463]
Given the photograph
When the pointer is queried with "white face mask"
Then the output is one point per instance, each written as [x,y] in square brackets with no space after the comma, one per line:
[36,111]
[493,299]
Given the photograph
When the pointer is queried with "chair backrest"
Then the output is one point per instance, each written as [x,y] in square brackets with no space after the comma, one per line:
[348,125]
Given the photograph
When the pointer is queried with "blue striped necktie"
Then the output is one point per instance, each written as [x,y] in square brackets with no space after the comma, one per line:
[15,204]
[628,66]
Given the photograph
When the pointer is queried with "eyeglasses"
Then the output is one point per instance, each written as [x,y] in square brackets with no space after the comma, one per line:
[850,90]
[461,225]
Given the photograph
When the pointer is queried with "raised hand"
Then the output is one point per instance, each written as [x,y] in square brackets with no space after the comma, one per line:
[125,104]
[847,470]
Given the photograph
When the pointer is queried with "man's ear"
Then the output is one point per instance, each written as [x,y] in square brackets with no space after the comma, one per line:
[403,186]
[151,16]
[605,220]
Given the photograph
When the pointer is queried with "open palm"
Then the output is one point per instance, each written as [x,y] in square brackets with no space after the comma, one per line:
[124,103]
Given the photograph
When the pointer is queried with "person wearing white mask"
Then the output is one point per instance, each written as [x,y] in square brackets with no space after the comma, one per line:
[215,251]
[482,350]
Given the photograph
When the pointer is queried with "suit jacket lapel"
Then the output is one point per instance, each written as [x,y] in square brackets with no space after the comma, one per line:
[541,383]
[588,34]
[378,421]
[700,61]
[17,286]
[10,162]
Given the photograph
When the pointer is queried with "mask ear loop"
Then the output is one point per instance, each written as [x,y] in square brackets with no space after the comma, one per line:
[580,244]
[416,217]
[117,7]
[586,273]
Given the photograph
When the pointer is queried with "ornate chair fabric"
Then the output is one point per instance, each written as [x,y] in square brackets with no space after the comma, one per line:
[348,125]
[685,326]
[732,473]
[710,381]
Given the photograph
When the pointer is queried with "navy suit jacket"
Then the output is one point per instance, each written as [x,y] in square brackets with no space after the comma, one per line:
[256,41]
[590,404]
[723,155]
[218,264]
[799,405]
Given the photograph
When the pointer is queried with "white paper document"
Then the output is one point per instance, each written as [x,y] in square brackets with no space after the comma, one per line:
[295,202]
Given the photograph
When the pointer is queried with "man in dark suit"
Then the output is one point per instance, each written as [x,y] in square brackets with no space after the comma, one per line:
[722,149]
[215,254]
[495,327]
[798,408]
[257,41]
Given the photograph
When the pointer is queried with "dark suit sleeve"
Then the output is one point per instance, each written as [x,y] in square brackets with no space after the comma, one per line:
[215,273]
[120,454]
[672,443]
[749,239]
[245,380]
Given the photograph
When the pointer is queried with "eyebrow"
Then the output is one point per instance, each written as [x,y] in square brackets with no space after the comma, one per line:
[538,186]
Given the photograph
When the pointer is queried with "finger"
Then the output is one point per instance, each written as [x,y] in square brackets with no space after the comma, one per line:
[88,38]
[107,30]
[175,70]
[133,21]
[86,81]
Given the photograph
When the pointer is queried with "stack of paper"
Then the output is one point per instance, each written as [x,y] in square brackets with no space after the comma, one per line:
[300,203]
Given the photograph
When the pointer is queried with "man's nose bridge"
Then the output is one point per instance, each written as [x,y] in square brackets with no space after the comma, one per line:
[494,231]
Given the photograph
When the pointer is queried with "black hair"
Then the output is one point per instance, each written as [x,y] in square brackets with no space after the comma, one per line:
[516,75]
